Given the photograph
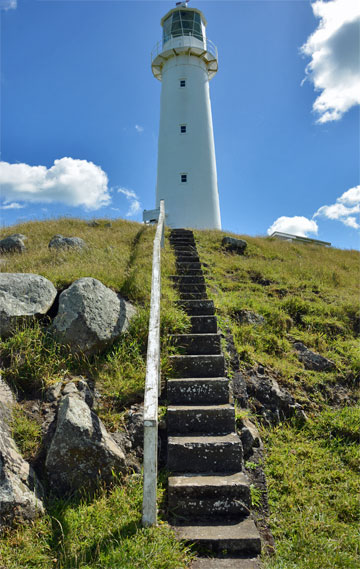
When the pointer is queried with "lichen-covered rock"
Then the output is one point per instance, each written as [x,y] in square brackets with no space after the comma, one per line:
[234,245]
[61,242]
[90,316]
[250,437]
[311,360]
[20,492]
[13,243]
[23,296]
[81,452]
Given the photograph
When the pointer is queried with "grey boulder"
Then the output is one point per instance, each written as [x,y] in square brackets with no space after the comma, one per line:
[311,360]
[20,492]
[22,297]
[13,243]
[90,316]
[234,245]
[81,452]
[61,242]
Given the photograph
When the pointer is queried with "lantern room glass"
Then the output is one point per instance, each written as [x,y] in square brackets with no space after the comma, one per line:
[182,23]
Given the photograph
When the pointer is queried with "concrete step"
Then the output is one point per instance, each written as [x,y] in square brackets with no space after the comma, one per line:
[187,279]
[185,251]
[200,495]
[197,307]
[211,365]
[193,295]
[225,563]
[203,324]
[201,391]
[187,258]
[197,344]
[204,453]
[204,419]
[241,537]
[188,266]
[191,287]
[182,242]
[190,271]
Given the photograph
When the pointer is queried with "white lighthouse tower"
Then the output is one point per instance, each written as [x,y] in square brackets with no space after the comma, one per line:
[184,61]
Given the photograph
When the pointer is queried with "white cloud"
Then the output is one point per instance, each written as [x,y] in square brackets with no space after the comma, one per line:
[334,49]
[344,209]
[13,205]
[139,128]
[351,197]
[297,225]
[8,4]
[69,181]
[133,200]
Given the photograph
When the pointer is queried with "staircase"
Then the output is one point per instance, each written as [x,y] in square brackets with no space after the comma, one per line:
[208,494]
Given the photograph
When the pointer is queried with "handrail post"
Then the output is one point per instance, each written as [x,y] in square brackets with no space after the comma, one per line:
[152,383]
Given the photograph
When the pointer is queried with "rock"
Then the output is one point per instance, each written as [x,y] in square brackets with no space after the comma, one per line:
[22,297]
[108,224]
[78,385]
[20,492]
[249,317]
[234,245]
[81,452]
[13,244]
[250,437]
[135,428]
[311,360]
[60,242]
[93,223]
[239,389]
[90,316]
[269,400]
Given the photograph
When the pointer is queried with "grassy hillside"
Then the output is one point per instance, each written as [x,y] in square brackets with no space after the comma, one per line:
[310,294]
[304,292]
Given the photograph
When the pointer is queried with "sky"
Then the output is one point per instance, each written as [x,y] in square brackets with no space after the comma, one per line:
[80,112]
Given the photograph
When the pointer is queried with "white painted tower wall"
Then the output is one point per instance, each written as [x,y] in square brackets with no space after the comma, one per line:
[194,203]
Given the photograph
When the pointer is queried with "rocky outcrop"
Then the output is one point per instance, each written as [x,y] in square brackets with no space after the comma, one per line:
[250,437]
[81,452]
[61,242]
[311,360]
[234,245]
[90,316]
[13,243]
[267,398]
[22,297]
[20,492]
[249,317]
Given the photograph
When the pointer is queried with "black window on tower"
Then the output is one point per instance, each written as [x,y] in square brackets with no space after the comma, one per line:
[183,178]
[182,82]
[183,128]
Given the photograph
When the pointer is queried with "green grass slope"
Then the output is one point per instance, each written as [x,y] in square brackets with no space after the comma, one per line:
[304,292]
[310,294]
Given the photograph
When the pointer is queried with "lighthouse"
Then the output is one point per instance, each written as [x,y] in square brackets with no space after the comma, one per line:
[184,61]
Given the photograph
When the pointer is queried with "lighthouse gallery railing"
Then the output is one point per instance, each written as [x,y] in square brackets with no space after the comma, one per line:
[152,382]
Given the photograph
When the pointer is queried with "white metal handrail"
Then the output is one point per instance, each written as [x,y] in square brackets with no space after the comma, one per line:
[152,382]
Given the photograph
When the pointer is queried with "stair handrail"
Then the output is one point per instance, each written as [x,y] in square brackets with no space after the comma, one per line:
[153,382]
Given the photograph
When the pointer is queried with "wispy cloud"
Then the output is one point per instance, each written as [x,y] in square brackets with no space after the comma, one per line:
[345,210]
[334,49]
[8,4]
[134,203]
[13,205]
[139,128]
[297,225]
[69,181]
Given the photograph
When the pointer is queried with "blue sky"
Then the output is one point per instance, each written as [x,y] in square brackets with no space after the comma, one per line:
[80,112]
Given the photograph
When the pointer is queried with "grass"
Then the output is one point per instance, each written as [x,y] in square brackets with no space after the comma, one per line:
[312,473]
[102,532]
[304,292]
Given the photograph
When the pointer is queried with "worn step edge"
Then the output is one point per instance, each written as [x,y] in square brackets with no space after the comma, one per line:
[242,537]
[197,391]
